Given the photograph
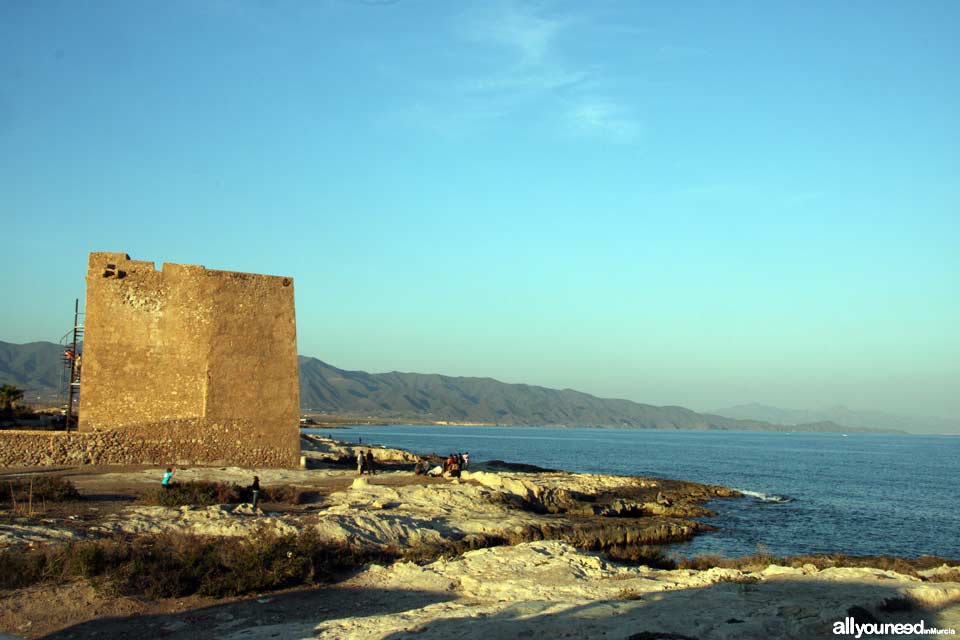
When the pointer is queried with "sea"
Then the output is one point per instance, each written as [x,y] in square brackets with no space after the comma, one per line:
[806,493]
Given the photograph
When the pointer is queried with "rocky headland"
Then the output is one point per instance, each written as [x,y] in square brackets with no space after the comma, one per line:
[495,553]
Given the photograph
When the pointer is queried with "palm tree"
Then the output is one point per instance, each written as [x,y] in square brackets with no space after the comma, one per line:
[9,396]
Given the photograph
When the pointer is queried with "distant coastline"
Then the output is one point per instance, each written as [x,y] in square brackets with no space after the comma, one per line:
[325,421]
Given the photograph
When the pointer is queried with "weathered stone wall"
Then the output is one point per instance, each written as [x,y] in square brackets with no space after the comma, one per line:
[196,364]
[122,446]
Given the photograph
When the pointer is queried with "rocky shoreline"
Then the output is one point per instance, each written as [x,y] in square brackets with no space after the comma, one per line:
[499,553]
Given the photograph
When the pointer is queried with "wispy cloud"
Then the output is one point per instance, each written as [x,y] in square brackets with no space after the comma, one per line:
[524,46]
[516,62]
[605,118]
[531,37]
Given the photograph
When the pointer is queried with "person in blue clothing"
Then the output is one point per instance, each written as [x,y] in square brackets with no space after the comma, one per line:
[167,478]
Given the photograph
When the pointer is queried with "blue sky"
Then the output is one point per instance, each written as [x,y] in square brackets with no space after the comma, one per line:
[701,203]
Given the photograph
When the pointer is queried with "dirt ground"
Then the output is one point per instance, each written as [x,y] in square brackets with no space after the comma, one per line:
[107,490]
[79,611]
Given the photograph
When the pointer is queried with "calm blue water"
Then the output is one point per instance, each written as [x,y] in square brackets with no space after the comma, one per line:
[861,495]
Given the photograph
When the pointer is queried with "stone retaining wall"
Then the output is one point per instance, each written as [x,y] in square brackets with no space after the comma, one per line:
[162,447]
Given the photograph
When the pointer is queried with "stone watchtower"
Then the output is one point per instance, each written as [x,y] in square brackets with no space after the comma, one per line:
[191,365]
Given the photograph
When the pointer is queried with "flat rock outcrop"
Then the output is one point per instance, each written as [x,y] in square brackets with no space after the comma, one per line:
[552,590]
[321,450]
[479,509]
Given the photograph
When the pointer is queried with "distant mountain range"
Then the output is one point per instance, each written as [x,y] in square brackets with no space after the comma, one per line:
[844,416]
[35,367]
[417,396]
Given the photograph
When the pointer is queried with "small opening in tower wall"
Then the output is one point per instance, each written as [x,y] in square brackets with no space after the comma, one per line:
[286,282]
[107,273]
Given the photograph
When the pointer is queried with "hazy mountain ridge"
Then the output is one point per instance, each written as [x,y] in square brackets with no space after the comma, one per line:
[437,397]
[36,368]
[843,416]
[397,396]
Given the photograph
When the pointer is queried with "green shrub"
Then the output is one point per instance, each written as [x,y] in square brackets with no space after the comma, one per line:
[167,565]
[200,493]
[84,560]
[649,555]
[174,565]
[288,494]
[195,493]
[21,569]
[39,488]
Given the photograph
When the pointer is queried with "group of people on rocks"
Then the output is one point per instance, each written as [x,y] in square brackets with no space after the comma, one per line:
[452,466]
[458,461]
[365,462]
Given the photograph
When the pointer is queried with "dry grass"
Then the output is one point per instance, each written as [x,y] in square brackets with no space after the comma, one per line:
[288,494]
[176,565]
[42,487]
[28,496]
[761,560]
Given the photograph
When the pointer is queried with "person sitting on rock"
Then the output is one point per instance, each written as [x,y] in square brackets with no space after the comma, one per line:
[449,463]
[435,472]
[662,500]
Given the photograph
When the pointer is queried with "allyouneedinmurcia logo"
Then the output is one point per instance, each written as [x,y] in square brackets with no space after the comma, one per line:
[849,627]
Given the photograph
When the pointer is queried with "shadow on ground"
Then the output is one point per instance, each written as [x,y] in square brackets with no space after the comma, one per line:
[795,609]
[778,608]
[280,615]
